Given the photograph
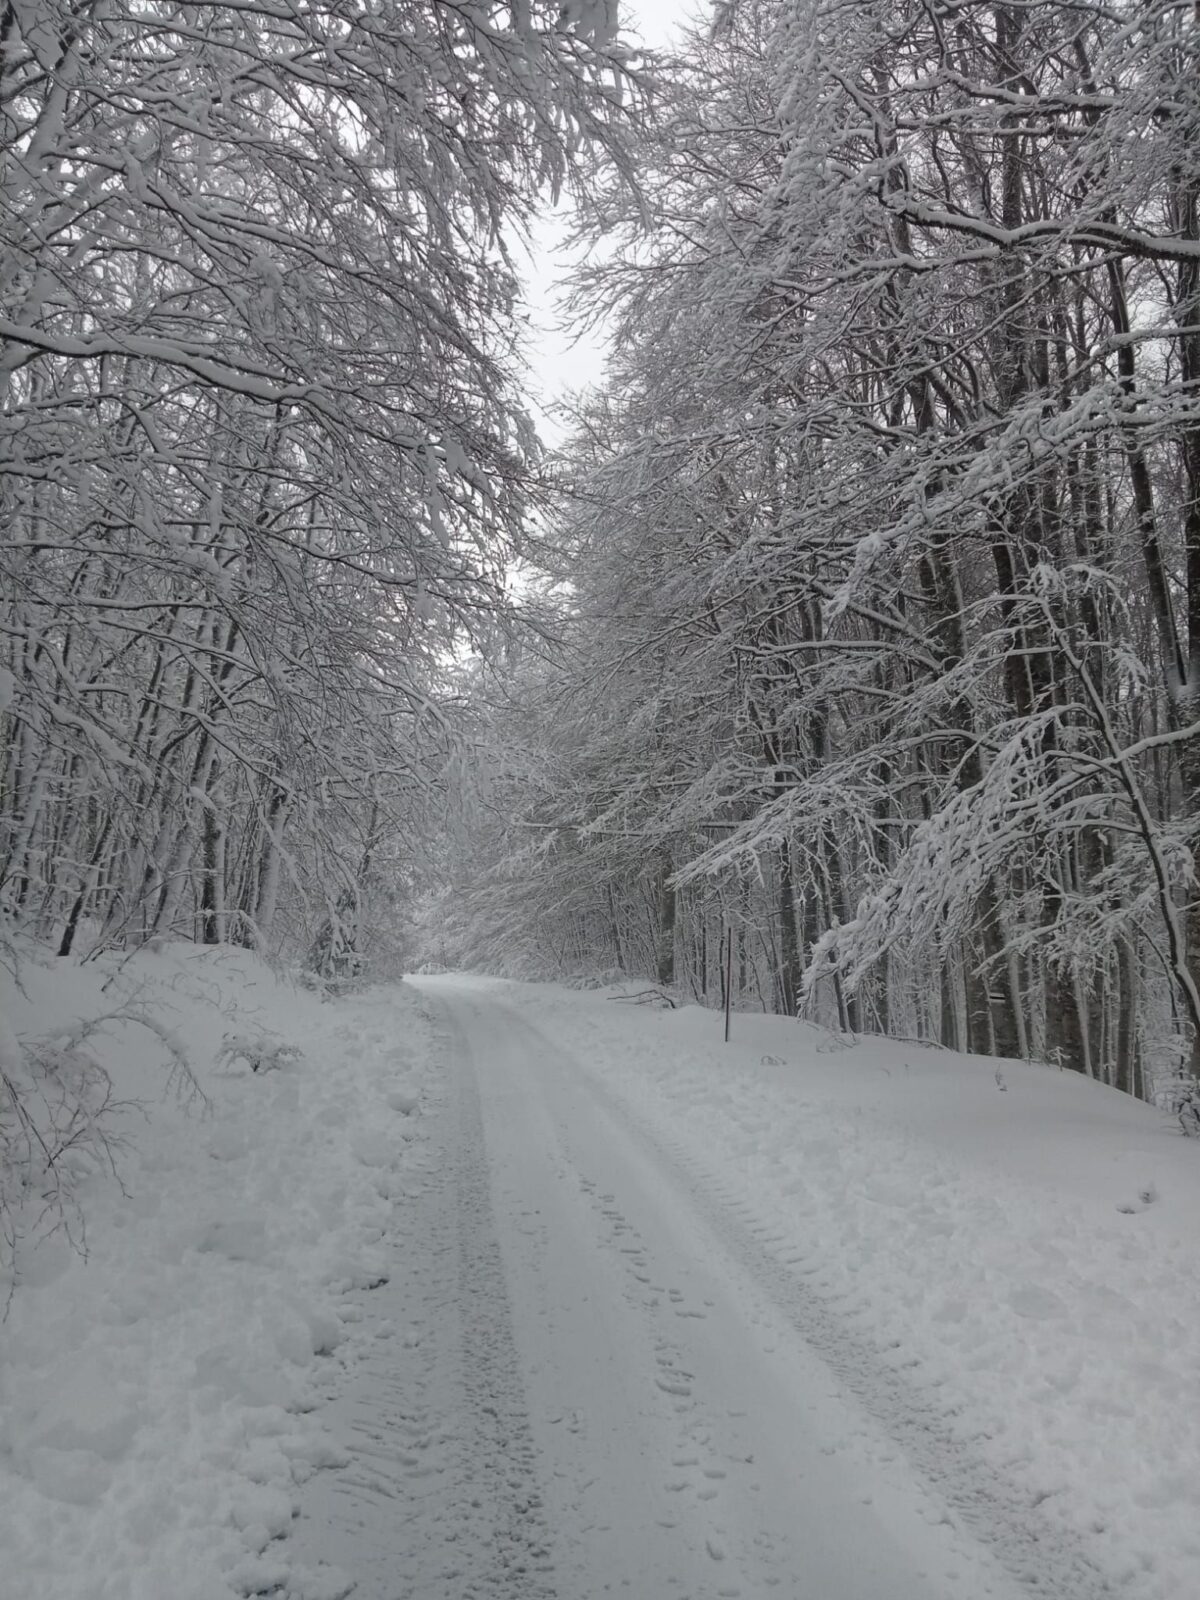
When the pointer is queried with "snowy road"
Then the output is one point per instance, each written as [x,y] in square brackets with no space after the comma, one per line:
[591,1379]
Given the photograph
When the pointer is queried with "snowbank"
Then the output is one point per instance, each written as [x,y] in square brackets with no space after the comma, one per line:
[157,1397]
[1018,1245]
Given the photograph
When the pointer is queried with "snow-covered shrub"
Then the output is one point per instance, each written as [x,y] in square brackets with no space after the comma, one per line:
[261,1052]
[59,1123]
[600,979]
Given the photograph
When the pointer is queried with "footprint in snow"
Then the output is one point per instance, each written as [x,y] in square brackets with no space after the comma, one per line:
[1145,1198]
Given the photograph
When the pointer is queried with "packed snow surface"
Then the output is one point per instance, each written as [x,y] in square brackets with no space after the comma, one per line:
[459,1288]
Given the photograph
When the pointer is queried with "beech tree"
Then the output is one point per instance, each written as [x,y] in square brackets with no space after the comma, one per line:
[261,453]
[895,479]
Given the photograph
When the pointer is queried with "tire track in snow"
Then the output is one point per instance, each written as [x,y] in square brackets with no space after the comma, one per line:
[697,1460]
[438,1497]
[1044,1560]
[501,1464]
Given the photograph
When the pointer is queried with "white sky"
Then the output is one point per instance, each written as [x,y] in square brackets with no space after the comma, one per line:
[561,359]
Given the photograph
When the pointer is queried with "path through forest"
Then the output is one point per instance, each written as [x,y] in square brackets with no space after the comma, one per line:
[595,1375]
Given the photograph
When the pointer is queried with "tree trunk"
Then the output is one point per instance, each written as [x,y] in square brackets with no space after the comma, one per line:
[667,896]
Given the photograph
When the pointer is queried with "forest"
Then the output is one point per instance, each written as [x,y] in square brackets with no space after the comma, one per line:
[845,655]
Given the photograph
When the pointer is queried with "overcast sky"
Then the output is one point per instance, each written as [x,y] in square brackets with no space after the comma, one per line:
[561,359]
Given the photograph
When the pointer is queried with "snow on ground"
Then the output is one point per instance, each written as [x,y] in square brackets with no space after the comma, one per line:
[601,1226]
[158,1399]
[1018,1245]
[687,1443]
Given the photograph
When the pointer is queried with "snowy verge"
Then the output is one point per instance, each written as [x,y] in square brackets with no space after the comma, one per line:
[1019,1245]
[159,1396]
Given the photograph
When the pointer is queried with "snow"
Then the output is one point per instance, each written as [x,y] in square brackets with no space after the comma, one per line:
[464,1287]
[687,1442]
[159,1398]
[1020,1246]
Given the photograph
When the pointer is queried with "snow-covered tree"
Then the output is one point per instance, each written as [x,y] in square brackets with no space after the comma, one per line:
[261,453]
[889,535]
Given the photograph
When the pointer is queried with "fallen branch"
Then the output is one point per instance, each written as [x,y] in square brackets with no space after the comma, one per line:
[646,997]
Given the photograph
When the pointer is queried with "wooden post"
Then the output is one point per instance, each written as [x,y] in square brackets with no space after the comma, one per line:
[728,977]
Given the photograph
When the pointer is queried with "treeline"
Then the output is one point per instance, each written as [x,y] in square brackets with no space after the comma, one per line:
[261,452]
[882,544]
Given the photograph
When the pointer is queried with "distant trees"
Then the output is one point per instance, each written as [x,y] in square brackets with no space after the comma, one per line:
[885,535]
[261,455]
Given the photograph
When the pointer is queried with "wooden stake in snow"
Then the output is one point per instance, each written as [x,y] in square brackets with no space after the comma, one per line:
[728,977]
